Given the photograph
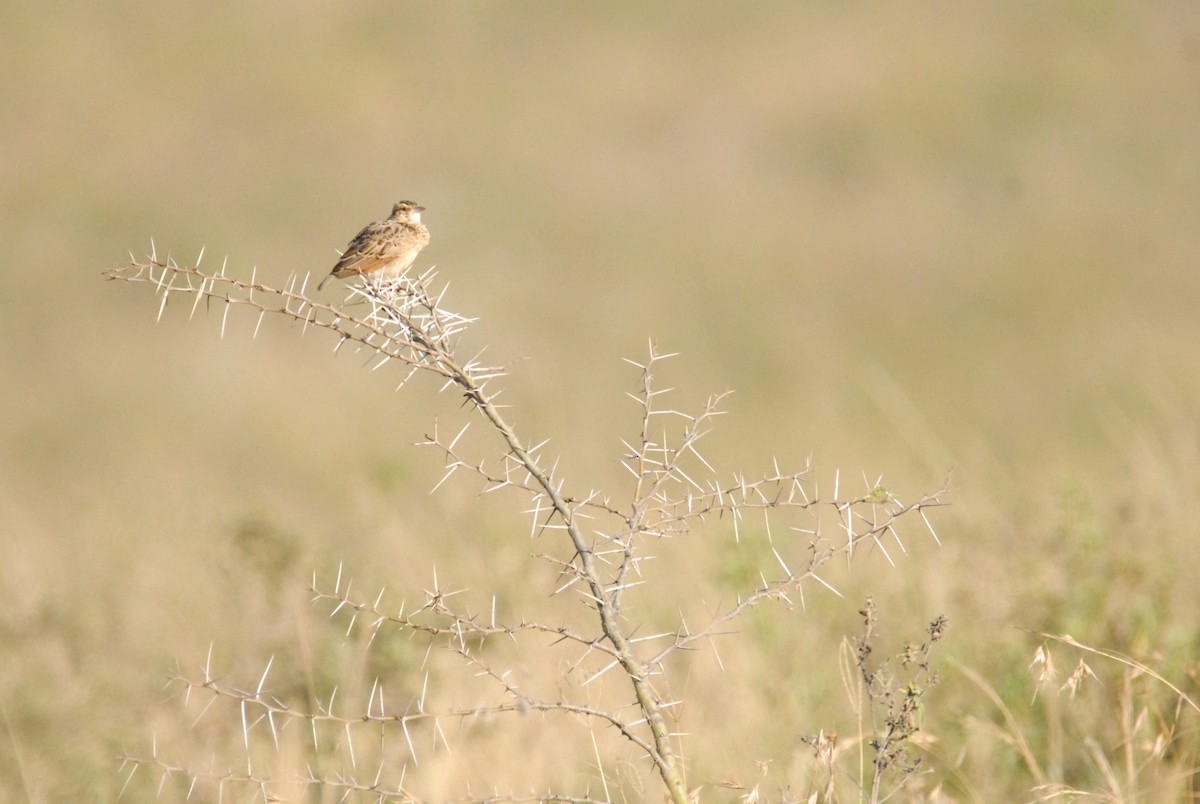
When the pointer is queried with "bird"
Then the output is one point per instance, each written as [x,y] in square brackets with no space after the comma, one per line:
[384,249]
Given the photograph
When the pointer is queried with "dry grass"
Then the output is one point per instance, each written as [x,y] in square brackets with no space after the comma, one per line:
[959,240]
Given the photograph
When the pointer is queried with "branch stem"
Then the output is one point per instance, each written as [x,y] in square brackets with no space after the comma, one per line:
[664,756]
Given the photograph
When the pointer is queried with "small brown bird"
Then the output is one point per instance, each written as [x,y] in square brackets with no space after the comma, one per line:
[384,249]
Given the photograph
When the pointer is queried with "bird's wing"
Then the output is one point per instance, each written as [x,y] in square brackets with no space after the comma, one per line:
[370,249]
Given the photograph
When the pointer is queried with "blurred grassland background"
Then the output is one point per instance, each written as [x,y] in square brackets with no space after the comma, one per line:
[915,240]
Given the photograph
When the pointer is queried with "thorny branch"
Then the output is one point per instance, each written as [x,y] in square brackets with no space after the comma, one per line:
[674,489]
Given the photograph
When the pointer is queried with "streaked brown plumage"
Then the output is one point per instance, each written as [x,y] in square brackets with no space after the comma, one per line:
[384,249]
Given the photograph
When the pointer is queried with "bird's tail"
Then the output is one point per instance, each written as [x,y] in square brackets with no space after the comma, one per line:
[323,281]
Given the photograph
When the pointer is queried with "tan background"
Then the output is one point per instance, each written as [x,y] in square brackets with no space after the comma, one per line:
[960,237]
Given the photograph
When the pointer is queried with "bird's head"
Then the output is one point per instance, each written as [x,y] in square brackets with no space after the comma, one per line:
[407,211]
